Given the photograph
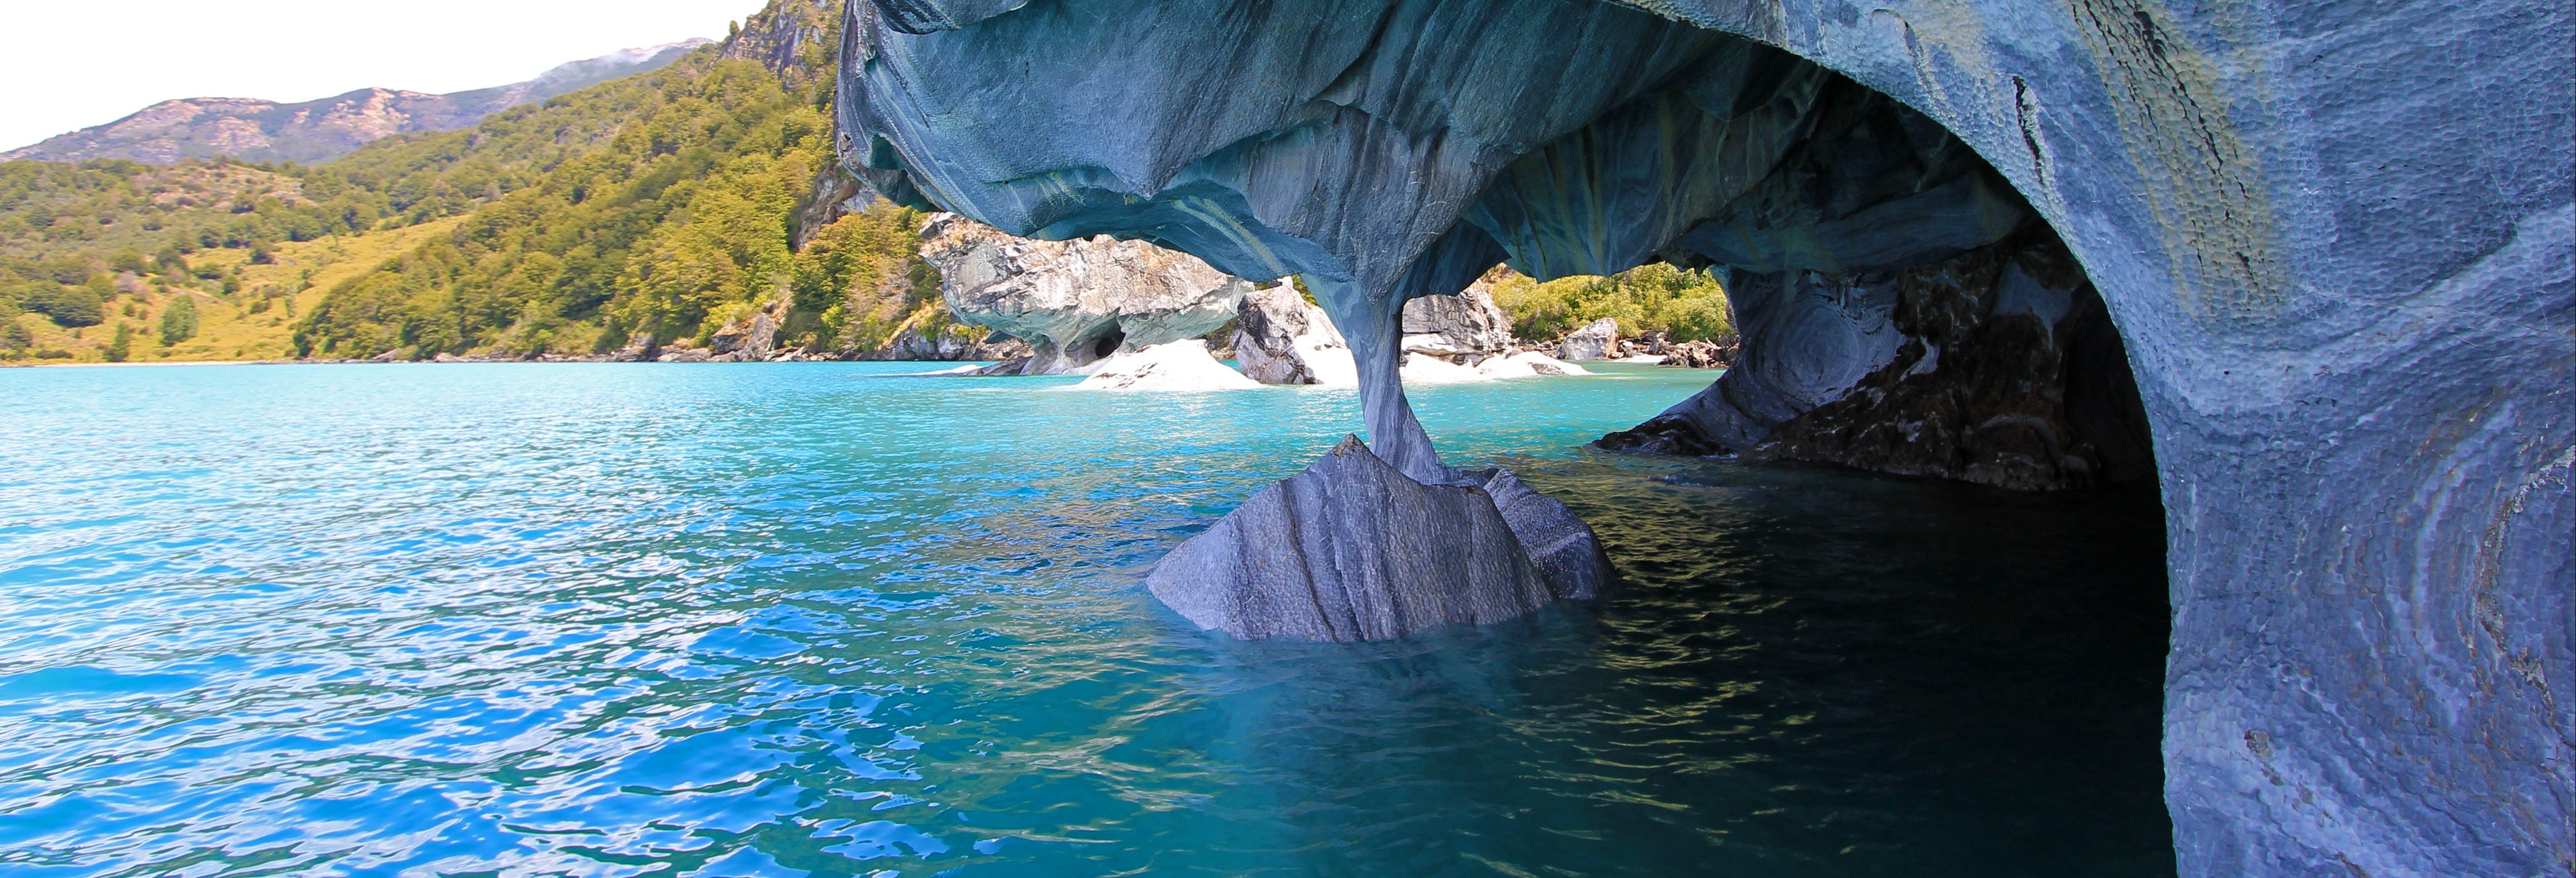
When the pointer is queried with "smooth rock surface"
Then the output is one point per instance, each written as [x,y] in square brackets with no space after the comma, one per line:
[1352,549]
[1563,549]
[2353,347]
[1172,365]
[1591,341]
[1280,338]
[1076,301]
[1465,325]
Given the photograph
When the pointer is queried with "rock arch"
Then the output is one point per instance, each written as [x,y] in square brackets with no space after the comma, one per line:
[2343,277]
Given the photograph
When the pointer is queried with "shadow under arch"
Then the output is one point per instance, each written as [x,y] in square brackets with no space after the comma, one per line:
[2347,526]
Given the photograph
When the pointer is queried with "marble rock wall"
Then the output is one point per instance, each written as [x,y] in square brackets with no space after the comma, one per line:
[1076,302]
[2337,242]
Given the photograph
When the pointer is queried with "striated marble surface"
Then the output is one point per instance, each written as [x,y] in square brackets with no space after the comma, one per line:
[1351,550]
[1076,302]
[2351,349]
[1280,338]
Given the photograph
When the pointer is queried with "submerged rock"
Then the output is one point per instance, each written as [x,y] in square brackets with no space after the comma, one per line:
[1351,549]
[1280,338]
[1596,340]
[1172,365]
[1076,301]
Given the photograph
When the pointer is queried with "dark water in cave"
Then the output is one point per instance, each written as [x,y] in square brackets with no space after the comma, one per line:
[812,619]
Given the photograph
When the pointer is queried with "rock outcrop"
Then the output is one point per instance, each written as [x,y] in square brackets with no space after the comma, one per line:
[1699,355]
[1597,340]
[1464,328]
[1969,368]
[1280,338]
[751,338]
[951,345]
[1077,301]
[1352,549]
[2353,347]
[1172,365]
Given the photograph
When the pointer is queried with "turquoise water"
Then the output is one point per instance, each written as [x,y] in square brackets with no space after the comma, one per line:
[596,619]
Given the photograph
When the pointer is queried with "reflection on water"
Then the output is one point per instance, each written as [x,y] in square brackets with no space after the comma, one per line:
[736,620]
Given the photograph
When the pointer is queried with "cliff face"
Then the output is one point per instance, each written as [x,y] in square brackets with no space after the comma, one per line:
[1076,301]
[796,38]
[2352,347]
[313,131]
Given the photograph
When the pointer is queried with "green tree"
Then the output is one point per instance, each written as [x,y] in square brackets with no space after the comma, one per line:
[14,336]
[178,322]
[865,274]
[674,221]
[122,345]
[68,306]
[1690,305]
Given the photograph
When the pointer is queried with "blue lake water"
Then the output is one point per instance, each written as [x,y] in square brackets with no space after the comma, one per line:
[596,619]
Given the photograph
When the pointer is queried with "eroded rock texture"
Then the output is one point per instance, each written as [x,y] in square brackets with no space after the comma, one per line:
[1464,327]
[2336,241]
[1279,338]
[1350,549]
[1076,302]
[1998,366]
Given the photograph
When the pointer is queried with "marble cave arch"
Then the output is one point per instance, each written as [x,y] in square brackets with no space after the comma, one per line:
[2311,268]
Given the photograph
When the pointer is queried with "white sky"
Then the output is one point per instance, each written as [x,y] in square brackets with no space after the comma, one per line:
[70,64]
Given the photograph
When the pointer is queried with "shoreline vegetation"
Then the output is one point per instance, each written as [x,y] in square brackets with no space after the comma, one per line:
[656,212]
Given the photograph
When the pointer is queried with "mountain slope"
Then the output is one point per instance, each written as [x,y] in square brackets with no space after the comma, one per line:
[716,200]
[667,204]
[318,130]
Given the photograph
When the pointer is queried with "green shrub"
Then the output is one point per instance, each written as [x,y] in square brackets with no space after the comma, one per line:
[865,274]
[1689,305]
[68,306]
[122,345]
[178,322]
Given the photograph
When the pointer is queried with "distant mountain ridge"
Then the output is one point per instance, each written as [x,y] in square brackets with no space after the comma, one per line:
[319,130]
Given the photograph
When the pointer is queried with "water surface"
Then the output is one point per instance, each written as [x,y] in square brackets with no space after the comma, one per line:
[667,619]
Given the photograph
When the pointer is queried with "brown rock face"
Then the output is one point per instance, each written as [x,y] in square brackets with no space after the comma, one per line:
[1980,390]
[1699,355]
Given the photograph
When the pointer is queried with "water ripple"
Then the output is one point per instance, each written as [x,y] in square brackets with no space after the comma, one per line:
[816,618]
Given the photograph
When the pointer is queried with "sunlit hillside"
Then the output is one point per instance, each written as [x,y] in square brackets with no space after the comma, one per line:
[573,184]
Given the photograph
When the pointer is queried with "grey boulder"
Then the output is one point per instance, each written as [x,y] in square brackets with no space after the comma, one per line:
[1595,341]
[1466,326]
[1351,549]
[1280,338]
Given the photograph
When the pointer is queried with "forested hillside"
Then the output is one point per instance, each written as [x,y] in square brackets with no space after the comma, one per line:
[640,212]
[663,203]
